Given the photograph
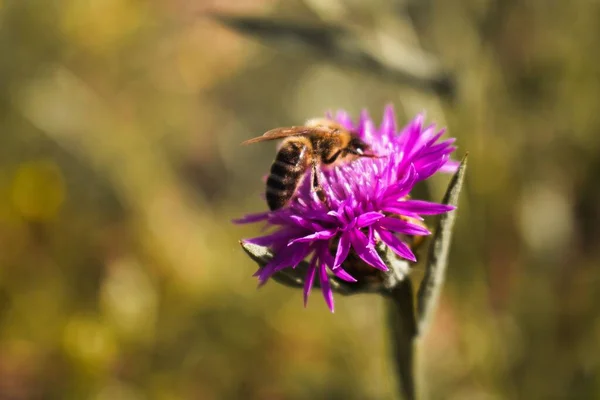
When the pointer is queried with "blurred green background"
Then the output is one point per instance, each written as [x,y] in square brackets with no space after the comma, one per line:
[121,276]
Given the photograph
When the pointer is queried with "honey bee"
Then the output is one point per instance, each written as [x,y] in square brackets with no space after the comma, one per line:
[318,142]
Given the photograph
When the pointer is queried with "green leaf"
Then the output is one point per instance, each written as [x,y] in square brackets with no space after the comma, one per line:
[437,260]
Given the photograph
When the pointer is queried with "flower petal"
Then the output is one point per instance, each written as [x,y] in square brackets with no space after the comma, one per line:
[412,133]
[282,235]
[435,137]
[325,287]
[342,250]
[401,226]
[342,274]
[426,170]
[368,218]
[397,192]
[250,218]
[363,120]
[320,235]
[400,189]
[318,215]
[437,159]
[422,207]
[303,222]
[344,119]
[400,211]
[397,245]
[309,278]
[288,258]
[388,123]
[451,166]
[365,250]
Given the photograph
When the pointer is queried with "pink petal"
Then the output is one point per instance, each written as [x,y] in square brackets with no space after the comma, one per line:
[397,245]
[402,188]
[342,250]
[250,218]
[435,138]
[400,211]
[363,120]
[397,192]
[368,131]
[388,123]
[325,287]
[440,147]
[342,274]
[302,222]
[309,278]
[451,166]
[401,226]
[344,119]
[321,235]
[366,251]
[421,207]
[368,218]
[426,170]
[287,257]
[282,235]
[324,254]
[413,132]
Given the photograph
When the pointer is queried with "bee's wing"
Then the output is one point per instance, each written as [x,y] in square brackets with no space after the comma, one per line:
[280,133]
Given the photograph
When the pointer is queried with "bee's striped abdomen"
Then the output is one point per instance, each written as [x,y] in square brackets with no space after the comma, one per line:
[287,171]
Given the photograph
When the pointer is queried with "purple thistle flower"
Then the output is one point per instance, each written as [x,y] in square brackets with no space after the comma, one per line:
[366,202]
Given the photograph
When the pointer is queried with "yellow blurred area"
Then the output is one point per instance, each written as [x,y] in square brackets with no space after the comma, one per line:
[90,343]
[38,190]
[121,276]
[200,62]
[100,25]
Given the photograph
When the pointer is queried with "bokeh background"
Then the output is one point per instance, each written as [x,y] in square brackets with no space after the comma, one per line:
[121,276]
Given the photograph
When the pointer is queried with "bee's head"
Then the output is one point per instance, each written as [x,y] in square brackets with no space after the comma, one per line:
[357,147]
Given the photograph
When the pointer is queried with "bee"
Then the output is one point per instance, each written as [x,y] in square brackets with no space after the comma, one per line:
[318,142]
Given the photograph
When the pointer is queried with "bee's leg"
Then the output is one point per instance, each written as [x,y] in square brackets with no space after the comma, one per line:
[314,177]
[314,182]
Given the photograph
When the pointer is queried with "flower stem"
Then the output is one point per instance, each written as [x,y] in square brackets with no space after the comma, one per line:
[403,330]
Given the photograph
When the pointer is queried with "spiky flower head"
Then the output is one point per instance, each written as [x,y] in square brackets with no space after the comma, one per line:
[366,202]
